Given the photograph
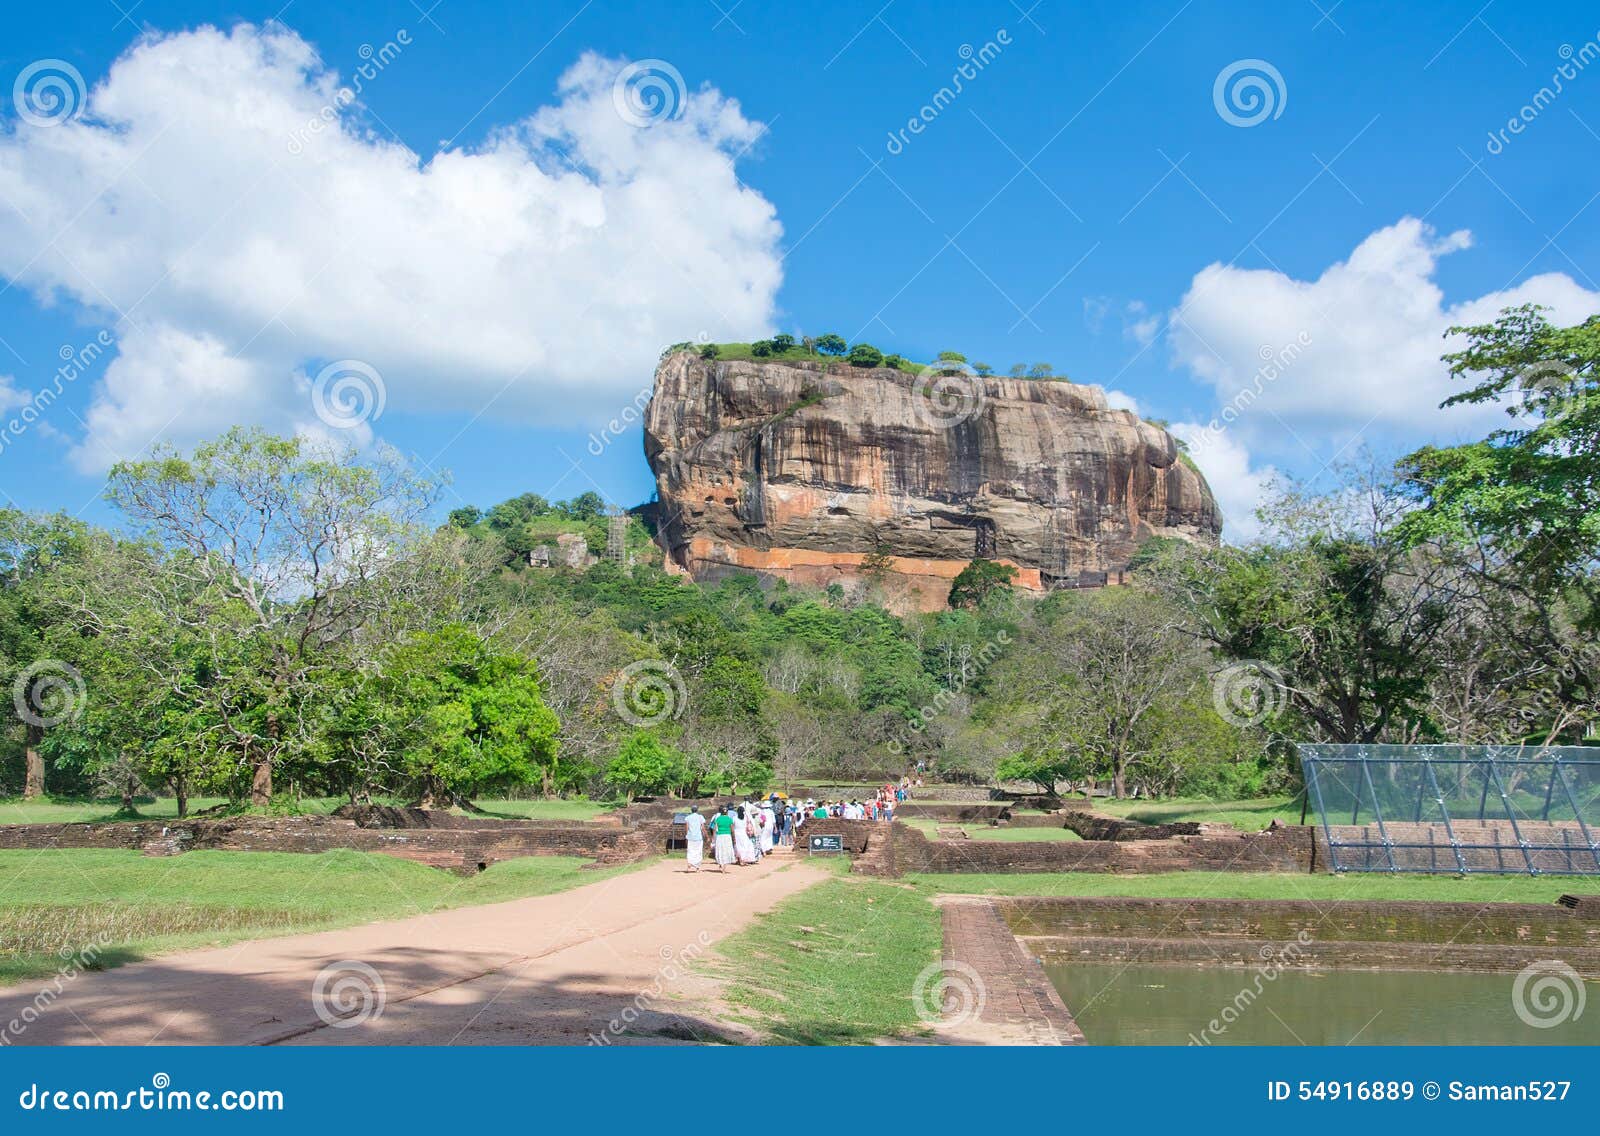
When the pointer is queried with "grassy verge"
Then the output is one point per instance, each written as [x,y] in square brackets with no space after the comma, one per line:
[137,906]
[834,965]
[1248,815]
[1014,835]
[543,810]
[1260,885]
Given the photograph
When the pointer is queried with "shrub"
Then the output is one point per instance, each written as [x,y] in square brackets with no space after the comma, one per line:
[761,348]
[865,355]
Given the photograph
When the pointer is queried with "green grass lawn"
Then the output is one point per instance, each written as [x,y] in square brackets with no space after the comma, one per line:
[1250,815]
[62,900]
[543,810]
[834,965]
[1261,885]
[48,810]
[1013,835]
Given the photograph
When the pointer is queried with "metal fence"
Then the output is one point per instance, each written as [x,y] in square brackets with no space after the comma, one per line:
[1456,809]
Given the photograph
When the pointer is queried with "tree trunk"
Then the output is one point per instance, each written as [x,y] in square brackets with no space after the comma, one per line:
[261,769]
[33,786]
[180,789]
[261,781]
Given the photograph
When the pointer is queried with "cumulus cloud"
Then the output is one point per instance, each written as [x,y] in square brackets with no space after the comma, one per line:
[236,247]
[1374,327]
[1352,353]
[1237,486]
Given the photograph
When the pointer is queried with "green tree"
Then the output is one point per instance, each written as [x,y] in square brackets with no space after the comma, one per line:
[1046,770]
[983,369]
[285,546]
[832,344]
[978,581]
[472,718]
[864,355]
[782,344]
[1527,495]
[46,691]
[645,766]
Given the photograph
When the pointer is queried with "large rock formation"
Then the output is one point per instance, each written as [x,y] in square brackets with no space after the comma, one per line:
[823,472]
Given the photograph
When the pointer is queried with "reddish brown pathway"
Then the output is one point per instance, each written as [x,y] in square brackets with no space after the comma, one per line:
[1002,995]
[555,969]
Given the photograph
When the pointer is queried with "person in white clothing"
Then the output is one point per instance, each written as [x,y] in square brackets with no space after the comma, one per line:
[769,827]
[694,837]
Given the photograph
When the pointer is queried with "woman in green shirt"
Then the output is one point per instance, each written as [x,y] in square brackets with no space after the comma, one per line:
[722,843]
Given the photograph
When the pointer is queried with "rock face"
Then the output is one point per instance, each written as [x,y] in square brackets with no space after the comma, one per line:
[822,472]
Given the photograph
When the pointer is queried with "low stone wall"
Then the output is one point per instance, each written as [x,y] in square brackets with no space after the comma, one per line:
[1281,850]
[456,848]
[1305,934]
[1092,826]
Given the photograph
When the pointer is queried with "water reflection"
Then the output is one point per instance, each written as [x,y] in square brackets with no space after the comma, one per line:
[1184,1005]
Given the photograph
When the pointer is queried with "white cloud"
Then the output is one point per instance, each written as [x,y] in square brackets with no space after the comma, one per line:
[1121,400]
[12,397]
[1237,486]
[541,272]
[1139,323]
[1374,329]
[1317,364]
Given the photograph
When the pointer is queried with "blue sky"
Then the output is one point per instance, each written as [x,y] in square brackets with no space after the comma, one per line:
[1083,200]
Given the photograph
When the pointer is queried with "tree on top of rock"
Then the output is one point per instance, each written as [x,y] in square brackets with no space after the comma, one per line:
[864,355]
[832,344]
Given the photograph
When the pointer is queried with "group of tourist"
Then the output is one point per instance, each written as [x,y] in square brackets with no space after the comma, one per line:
[743,833]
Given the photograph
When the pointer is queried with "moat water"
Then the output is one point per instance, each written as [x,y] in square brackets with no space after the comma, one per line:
[1186,1004]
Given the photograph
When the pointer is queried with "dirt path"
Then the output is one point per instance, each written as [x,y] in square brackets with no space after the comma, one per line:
[556,969]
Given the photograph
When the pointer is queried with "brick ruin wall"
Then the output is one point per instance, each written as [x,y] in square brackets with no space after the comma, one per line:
[1303,934]
[441,844]
[1289,849]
